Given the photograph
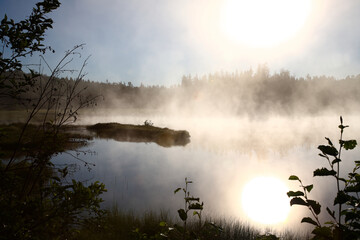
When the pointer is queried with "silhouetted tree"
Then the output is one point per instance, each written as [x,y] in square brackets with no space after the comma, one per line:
[36,199]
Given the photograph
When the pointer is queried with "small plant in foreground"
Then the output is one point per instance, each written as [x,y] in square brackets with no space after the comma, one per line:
[208,230]
[345,223]
[191,203]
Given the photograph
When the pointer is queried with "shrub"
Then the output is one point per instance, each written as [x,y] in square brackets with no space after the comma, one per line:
[345,221]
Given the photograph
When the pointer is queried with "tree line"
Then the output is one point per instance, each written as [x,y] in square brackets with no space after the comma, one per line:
[247,92]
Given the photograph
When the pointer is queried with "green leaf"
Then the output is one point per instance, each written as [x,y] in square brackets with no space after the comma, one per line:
[182,214]
[342,179]
[178,189]
[197,213]
[315,206]
[329,141]
[352,175]
[298,201]
[329,223]
[328,150]
[162,224]
[309,187]
[336,160]
[353,188]
[324,172]
[196,206]
[357,177]
[341,198]
[295,194]
[349,144]
[309,220]
[342,127]
[351,216]
[293,177]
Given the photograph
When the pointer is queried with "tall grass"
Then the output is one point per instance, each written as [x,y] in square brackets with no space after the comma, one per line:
[119,224]
[126,225]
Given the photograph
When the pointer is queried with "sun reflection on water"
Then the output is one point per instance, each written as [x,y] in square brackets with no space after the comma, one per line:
[264,200]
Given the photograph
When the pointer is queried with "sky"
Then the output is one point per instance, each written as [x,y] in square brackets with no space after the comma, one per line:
[156,42]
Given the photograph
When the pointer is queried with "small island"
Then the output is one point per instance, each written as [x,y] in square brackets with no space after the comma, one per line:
[164,137]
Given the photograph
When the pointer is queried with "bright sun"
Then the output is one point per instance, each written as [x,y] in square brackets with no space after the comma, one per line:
[265,201]
[264,23]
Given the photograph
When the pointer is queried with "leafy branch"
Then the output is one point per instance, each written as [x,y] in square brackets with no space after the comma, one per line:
[345,223]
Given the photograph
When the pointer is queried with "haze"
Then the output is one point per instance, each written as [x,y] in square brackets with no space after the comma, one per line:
[257,93]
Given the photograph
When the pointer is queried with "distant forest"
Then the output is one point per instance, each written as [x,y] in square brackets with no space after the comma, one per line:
[241,93]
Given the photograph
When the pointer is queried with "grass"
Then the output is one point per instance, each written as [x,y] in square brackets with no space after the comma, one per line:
[118,224]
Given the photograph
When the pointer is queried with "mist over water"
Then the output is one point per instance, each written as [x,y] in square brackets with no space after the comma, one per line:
[223,155]
[242,125]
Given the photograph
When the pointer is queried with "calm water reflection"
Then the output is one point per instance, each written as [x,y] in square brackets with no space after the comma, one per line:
[224,154]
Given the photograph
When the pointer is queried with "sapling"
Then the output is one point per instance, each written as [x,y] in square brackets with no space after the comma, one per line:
[345,223]
[191,204]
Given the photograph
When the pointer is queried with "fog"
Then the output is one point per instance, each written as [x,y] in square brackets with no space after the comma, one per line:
[224,154]
[242,125]
[251,93]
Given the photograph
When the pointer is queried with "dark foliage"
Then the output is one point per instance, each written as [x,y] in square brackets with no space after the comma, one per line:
[343,224]
[19,40]
[37,198]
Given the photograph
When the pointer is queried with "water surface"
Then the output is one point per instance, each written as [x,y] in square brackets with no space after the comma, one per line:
[223,155]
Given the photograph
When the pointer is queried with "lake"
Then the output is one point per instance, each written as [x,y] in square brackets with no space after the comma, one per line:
[224,154]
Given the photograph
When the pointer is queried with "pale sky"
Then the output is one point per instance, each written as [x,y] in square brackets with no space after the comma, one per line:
[156,42]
